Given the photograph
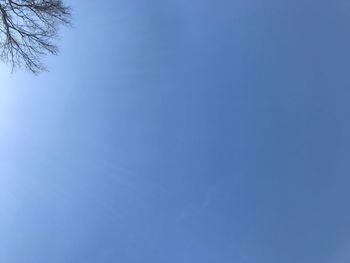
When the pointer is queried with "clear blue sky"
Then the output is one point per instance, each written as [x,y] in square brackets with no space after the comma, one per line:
[182,131]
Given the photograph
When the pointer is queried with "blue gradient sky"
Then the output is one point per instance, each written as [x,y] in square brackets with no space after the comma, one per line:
[182,131]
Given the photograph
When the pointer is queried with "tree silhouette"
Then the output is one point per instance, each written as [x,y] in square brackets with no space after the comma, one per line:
[28,30]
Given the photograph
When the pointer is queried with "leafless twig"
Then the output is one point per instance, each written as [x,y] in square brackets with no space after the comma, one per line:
[28,29]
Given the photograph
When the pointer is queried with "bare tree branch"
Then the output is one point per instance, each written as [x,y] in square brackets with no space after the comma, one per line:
[28,29]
